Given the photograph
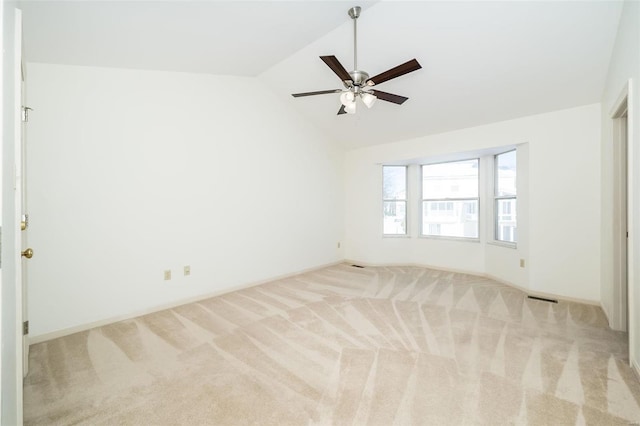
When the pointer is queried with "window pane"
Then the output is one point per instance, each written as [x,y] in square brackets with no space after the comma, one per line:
[506,174]
[395,218]
[506,223]
[458,179]
[394,182]
[450,218]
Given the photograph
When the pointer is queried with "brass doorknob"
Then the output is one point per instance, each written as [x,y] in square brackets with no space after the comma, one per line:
[28,253]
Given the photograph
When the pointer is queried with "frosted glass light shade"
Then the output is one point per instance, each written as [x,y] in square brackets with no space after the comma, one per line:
[347,98]
[368,99]
[351,107]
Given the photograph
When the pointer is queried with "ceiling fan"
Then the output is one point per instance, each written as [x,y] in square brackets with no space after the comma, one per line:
[357,83]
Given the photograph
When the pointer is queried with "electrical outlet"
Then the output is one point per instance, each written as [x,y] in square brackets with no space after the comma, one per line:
[522,263]
[187,270]
[167,275]
[338,244]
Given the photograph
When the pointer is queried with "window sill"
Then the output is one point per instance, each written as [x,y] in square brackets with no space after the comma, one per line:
[396,236]
[503,244]
[458,239]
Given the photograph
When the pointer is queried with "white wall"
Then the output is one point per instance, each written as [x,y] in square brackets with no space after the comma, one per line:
[558,214]
[134,172]
[624,65]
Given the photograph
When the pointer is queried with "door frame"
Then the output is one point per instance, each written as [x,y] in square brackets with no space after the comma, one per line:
[623,315]
[621,213]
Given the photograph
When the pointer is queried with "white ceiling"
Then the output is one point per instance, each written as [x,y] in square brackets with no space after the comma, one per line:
[218,37]
[482,61]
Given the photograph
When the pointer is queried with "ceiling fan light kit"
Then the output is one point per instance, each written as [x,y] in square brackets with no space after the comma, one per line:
[357,83]
[368,99]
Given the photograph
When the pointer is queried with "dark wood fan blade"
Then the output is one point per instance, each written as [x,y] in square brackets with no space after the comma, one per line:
[321,92]
[342,110]
[403,69]
[389,97]
[335,65]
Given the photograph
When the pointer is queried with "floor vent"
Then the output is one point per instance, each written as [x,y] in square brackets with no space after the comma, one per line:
[357,266]
[543,299]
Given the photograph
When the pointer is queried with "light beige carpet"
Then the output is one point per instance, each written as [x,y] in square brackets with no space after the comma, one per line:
[344,346]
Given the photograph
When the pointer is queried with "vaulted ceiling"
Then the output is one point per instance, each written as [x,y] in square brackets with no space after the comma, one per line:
[482,61]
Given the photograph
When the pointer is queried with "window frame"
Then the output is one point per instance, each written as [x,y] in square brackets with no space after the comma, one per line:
[477,199]
[496,202]
[395,200]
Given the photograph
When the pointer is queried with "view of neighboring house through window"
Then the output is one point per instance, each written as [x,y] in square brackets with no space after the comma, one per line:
[394,190]
[505,197]
[450,199]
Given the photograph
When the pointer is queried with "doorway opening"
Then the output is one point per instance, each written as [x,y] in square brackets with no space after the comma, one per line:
[620,216]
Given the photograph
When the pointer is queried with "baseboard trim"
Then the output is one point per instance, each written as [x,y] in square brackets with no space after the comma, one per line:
[83,327]
[544,294]
[606,314]
[483,275]
[636,369]
[416,265]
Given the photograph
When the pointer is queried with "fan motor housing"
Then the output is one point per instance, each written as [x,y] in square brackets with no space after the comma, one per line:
[359,78]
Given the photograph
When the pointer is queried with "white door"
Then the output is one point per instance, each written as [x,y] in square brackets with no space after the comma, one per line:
[20,197]
[27,253]
[11,358]
[20,235]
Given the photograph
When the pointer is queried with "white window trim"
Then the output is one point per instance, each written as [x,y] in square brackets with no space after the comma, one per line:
[422,200]
[494,239]
[405,200]
[505,244]
[447,238]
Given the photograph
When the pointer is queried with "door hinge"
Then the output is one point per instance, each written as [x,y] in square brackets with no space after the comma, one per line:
[25,328]
[25,113]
